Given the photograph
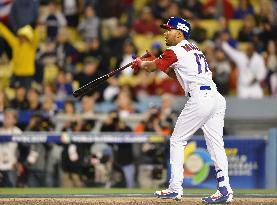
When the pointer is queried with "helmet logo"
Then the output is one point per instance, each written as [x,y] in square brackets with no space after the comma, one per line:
[183,27]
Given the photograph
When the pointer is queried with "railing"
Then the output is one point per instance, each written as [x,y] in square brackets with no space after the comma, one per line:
[83,137]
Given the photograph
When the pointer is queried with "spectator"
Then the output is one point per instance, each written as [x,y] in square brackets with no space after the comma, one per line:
[107,171]
[125,105]
[24,12]
[4,103]
[37,161]
[8,150]
[271,63]
[129,50]
[251,70]
[47,56]
[222,27]
[91,72]
[116,41]
[150,157]
[173,10]
[87,107]
[68,114]
[146,24]
[124,155]
[109,12]
[268,30]
[49,89]
[159,8]
[89,27]
[247,32]
[244,8]
[96,49]
[20,102]
[64,88]
[128,7]
[167,112]
[49,108]
[54,21]
[112,90]
[67,55]
[199,33]
[273,84]
[24,50]
[164,84]
[218,8]
[192,8]
[221,75]
[98,170]
[148,87]
[33,100]
[71,10]
[72,160]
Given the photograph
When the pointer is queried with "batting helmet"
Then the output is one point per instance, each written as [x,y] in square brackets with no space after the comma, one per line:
[179,24]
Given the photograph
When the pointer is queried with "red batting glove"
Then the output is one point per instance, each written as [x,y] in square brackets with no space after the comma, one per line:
[149,58]
[136,64]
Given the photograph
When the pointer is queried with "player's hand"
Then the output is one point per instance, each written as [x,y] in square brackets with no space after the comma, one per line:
[136,64]
[150,57]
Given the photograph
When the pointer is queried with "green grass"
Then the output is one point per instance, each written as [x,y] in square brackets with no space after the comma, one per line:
[117,191]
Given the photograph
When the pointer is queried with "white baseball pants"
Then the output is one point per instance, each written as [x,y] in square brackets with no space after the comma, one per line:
[205,109]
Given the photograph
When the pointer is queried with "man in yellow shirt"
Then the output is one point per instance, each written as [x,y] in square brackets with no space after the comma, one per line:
[24,47]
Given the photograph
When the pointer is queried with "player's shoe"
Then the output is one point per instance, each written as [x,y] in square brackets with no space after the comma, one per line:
[221,196]
[168,194]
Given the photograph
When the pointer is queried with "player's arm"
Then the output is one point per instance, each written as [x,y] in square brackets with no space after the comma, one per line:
[171,73]
[162,63]
[149,66]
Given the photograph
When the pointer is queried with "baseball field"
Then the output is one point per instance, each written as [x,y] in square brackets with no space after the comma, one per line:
[87,196]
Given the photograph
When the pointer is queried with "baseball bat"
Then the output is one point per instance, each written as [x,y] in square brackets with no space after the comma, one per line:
[93,84]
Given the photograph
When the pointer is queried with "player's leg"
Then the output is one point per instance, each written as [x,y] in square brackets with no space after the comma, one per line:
[192,117]
[213,133]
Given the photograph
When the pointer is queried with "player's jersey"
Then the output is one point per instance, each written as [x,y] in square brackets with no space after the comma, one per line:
[189,64]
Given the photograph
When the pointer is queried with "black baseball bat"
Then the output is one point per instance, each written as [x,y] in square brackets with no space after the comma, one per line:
[93,84]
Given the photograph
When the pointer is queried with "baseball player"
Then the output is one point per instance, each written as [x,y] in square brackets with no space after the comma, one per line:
[204,109]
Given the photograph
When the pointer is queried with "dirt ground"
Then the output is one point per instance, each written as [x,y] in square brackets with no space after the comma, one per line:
[127,200]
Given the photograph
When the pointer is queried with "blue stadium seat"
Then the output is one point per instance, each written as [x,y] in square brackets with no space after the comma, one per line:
[104,107]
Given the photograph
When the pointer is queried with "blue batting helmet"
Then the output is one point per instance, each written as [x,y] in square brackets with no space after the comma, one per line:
[179,24]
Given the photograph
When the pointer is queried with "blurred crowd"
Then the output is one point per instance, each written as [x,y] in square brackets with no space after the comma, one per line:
[48,48]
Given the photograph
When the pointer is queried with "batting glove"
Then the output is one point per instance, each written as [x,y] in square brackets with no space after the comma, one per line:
[136,64]
[151,57]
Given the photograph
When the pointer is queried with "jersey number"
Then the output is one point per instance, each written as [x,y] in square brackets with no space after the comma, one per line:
[200,57]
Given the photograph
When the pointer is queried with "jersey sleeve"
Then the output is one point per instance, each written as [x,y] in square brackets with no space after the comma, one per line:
[166,60]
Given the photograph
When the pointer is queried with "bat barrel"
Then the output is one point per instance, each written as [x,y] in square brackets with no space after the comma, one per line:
[93,84]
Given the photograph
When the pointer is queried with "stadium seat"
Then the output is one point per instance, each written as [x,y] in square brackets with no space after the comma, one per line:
[150,101]
[80,45]
[50,73]
[142,42]
[235,26]
[210,25]
[104,107]
[242,46]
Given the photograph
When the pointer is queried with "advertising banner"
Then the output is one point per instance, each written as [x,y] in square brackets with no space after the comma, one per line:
[246,159]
